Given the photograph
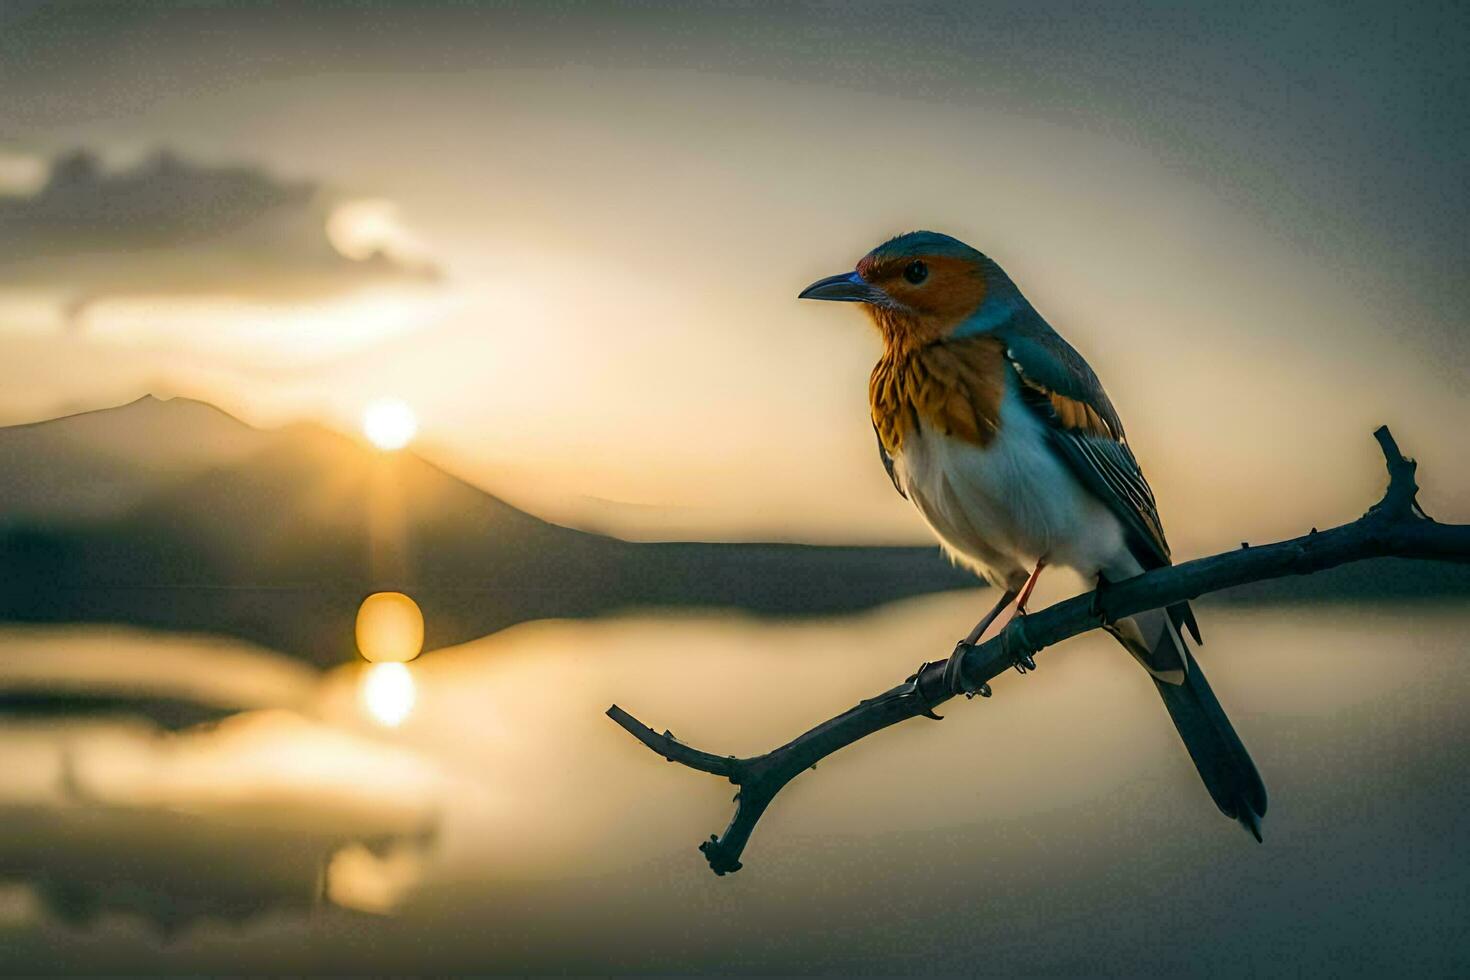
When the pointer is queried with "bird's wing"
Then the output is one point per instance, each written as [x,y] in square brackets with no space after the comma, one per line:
[1062,390]
[888,463]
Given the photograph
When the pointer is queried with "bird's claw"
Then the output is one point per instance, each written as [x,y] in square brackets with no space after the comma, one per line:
[954,673]
[1017,646]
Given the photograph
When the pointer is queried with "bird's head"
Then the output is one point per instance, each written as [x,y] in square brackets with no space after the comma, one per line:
[922,287]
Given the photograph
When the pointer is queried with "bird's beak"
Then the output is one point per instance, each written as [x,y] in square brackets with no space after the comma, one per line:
[845,287]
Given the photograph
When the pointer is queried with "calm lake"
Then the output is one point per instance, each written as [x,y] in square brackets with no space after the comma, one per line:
[507,825]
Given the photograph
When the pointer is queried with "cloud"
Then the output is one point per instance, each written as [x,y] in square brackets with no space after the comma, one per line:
[21,173]
[171,228]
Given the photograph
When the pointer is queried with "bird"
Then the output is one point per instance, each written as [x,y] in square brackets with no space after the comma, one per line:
[1002,437]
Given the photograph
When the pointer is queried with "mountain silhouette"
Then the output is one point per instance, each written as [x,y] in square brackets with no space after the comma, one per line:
[173,514]
[99,464]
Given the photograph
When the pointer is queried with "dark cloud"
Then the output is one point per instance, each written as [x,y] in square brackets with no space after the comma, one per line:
[171,227]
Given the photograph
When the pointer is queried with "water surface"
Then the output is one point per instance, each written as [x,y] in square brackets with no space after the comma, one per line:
[507,825]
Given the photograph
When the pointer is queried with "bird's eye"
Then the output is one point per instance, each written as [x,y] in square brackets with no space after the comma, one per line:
[916,272]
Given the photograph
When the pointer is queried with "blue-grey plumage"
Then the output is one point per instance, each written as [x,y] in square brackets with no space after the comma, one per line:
[1002,437]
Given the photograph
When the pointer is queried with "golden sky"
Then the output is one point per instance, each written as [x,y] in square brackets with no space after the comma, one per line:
[1252,225]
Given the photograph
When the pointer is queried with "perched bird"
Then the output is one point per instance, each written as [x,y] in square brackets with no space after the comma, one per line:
[1003,438]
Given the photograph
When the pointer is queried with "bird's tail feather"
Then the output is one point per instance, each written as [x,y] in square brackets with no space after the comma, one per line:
[1222,761]
[1154,642]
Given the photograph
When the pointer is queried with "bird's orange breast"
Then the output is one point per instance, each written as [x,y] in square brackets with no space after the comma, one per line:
[955,386]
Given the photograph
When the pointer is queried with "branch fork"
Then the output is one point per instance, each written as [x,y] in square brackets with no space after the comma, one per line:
[1396,526]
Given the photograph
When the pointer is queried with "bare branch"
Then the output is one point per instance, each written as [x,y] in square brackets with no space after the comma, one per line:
[671,748]
[1394,527]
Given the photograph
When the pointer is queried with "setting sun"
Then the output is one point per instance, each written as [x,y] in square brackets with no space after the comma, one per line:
[389,424]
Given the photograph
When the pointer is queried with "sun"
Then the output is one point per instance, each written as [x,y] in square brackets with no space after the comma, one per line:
[389,424]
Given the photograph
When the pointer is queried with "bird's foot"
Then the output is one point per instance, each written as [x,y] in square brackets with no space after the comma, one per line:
[954,673]
[1017,645]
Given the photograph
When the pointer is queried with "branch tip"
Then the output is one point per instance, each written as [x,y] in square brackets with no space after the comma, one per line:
[674,750]
[1401,499]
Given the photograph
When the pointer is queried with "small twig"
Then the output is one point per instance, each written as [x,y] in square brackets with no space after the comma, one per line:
[671,748]
[1394,527]
[1402,497]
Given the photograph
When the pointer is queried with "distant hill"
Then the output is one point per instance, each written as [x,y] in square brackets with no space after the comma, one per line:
[100,464]
[172,514]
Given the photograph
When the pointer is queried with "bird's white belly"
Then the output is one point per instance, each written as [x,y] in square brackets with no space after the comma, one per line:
[1000,508]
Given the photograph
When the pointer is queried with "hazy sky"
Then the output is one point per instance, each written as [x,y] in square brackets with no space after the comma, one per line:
[1251,219]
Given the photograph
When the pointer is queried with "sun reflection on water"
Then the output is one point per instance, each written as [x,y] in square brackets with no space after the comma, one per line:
[388,693]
